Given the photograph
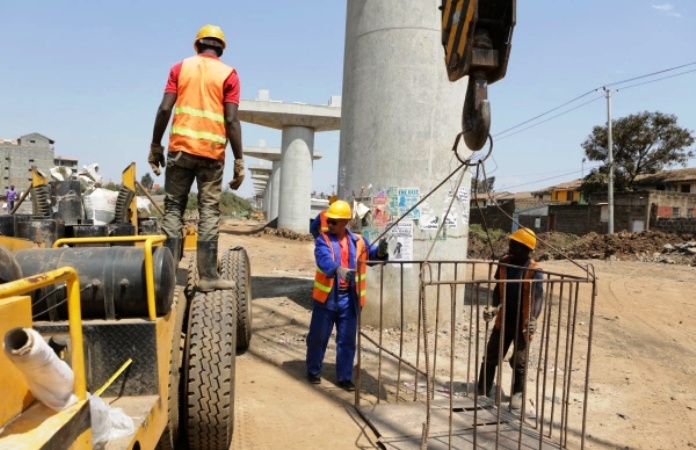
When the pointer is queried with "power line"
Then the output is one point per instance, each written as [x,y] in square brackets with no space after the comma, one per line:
[656,79]
[546,112]
[551,118]
[544,179]
[594,90]
[650,74]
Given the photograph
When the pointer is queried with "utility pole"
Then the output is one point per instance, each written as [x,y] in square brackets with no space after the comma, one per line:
[610,149]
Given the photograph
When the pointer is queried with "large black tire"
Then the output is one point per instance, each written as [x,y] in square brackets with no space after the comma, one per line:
[170,437]
[209,371]
[236,267]
[192,277]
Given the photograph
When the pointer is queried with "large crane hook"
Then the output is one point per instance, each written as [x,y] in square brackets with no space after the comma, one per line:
[476,35]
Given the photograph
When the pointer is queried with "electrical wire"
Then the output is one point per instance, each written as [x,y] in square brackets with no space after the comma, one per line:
[552,117]
[655,80]
[615,83]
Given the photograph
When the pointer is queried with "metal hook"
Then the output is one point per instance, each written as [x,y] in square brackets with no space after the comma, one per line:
[476,117]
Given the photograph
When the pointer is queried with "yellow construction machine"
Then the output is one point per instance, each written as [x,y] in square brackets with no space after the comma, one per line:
[131,325]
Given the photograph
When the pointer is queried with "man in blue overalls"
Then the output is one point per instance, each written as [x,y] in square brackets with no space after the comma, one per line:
[339,293]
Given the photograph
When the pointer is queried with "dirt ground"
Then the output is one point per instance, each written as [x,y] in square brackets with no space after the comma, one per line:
[642,384]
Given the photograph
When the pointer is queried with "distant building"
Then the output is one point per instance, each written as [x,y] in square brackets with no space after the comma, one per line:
[564,192]
[65,161]
[18,155]
[679,180]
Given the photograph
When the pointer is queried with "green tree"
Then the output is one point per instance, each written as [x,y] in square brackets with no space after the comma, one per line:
[643,143]
[483,186]
[147,181]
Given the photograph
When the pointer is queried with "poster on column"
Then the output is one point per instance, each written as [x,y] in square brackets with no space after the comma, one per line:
[450,219]
[402,200]
[380,210]
[401,242]
[463,196]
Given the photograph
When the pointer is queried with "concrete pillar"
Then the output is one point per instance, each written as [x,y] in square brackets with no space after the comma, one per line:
[266,199]
[274,182]
[400,116]
[296,182]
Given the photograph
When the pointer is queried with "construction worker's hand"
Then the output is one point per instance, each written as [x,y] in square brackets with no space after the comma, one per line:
[238,174]
[530,327]
[489,313]
[383,248]
[344,273]
[156,158]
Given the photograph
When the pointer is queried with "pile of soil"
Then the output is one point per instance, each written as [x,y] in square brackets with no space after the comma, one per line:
[288,234]
[652,246]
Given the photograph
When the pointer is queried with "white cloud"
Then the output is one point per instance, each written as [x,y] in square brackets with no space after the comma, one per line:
[667,9]
[663,7]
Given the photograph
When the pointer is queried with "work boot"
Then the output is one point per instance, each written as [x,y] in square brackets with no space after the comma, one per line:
[174,246]
[516,401]
[207,268]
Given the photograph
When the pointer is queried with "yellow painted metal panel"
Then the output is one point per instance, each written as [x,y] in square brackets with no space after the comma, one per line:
[14,391]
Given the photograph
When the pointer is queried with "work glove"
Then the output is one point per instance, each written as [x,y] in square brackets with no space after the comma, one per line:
[489,313]
[383,248]
[530,327]
[156,158]
[344,273]
[238,174]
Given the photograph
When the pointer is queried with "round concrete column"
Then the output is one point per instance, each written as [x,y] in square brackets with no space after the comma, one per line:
[266,199]
[274,182]
[296,183]
[400,115]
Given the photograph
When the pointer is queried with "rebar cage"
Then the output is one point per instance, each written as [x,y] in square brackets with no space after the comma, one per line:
[416,384]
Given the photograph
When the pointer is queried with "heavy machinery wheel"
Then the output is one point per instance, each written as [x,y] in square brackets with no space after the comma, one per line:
[192,277]
[170,436]
[209,370]
[235,266]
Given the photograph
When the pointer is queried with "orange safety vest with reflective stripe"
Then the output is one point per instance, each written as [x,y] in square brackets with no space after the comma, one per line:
[526,297]
[323,284]
[198,126]
[323,225]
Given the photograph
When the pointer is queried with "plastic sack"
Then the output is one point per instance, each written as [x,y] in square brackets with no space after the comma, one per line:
[143,205]
[50,379]
[101,425]
[108,423]
[100,206]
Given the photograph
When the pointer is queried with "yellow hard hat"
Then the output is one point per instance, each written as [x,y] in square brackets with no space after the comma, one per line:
[332,199]
[339,210]
[210,31]
[526,237]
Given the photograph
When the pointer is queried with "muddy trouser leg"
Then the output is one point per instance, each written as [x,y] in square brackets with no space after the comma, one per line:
[493,359]
[178,178]
[490,361]
[209,181]
[519,364]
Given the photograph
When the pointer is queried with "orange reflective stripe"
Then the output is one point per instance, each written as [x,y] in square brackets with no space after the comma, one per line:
[322,283]
[361,266]
[198,126]
[323,225]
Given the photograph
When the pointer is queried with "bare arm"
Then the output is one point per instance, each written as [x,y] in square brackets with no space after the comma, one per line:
[233,129]
[164,112]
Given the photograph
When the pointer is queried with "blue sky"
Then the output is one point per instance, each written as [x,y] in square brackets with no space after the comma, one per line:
[90,74]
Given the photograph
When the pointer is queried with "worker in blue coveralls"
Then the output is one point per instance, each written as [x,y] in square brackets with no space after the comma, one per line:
[339,293]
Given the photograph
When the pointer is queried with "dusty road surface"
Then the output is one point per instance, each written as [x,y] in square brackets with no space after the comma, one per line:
[642,384]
